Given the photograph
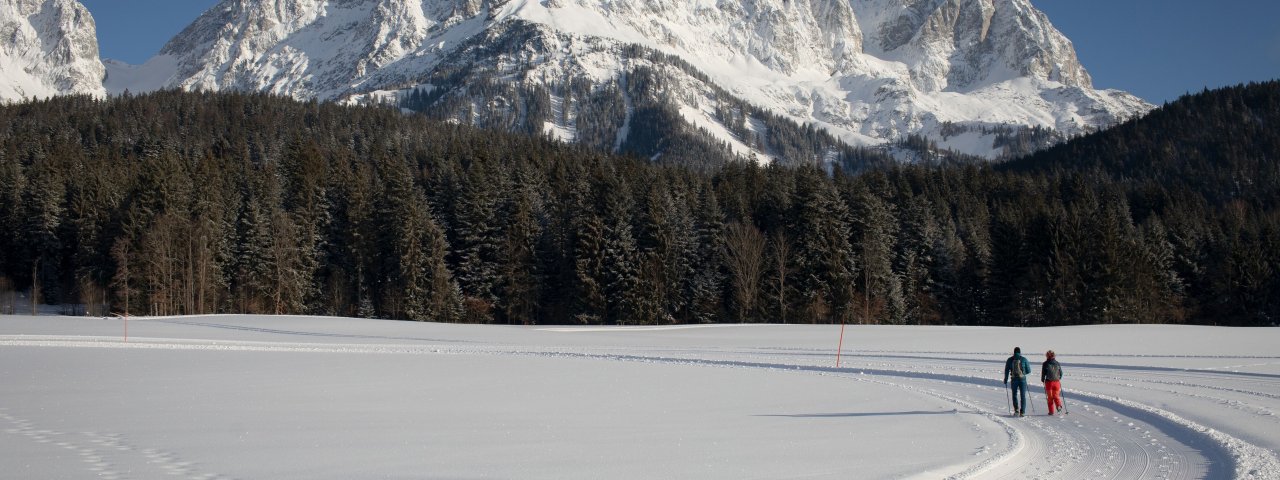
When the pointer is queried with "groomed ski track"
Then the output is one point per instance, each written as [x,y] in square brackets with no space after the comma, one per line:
[1130,418]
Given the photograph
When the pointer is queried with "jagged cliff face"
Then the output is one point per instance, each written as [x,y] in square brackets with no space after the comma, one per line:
[869,71]
[963,44]
[306,48]
[48,47]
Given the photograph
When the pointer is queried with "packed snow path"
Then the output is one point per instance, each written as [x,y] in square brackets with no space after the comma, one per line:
[305,397]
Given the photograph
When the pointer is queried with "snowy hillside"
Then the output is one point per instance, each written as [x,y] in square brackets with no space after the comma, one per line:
[217,397]
[967,74]
[49,47]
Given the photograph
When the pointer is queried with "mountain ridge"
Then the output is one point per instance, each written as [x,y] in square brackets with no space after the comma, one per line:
[967,75]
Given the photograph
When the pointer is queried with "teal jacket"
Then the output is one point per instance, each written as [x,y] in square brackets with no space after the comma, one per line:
[1008,367]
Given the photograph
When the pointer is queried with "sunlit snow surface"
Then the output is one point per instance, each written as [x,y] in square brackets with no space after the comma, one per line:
[305,397]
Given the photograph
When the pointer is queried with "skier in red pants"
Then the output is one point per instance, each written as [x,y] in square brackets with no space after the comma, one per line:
[1051,376]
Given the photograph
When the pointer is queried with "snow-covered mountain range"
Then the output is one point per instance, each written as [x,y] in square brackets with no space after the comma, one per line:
[48,47]
[970,75]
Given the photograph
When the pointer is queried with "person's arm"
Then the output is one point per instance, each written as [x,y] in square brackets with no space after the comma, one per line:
[1008,365]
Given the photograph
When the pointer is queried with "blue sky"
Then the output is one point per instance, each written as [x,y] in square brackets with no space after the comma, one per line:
[134,30]
[1156,49]
[1161,49]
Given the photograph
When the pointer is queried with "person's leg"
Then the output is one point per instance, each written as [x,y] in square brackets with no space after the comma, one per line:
[1021,387]
[1048,395]
[1051,389]
[1025,394]
[1013,395]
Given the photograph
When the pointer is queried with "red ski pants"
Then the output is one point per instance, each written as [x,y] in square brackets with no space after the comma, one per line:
[1053,391]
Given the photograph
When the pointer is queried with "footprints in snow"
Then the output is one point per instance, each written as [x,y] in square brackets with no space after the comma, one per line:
[109,456]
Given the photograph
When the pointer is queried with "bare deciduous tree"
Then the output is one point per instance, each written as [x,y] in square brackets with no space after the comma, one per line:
[781,265]
[744,255]
[120,253]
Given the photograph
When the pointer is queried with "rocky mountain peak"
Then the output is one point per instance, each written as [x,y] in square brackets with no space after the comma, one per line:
[963,44]
[50,48]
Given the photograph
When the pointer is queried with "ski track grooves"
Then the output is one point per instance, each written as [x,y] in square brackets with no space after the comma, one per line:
[108,456]
[1226,455]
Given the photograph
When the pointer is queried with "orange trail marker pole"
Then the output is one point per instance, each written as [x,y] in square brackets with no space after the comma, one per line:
[840,347]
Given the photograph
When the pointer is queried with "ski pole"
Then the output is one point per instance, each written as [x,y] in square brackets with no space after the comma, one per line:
[1031,398]
[1009,396]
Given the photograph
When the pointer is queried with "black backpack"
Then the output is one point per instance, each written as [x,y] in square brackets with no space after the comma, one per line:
[1052,371]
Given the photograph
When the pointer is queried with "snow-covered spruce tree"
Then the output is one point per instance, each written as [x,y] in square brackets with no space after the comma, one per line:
[40,216]
[875,230]
[214,220]
[1165,292]
[949,257]
[681,257]
[346,258]
[708,293]
[392,189]
[620,259]
[772,211]
[666,244]
[477,237]
[305,178]
[589,271]
[254,260]
[91,196]
[588,256]
[824,258]
[653,235]
[972,302]
[1009,296]
[915,261]
[430,294]
[1061,270]
[1114,249]
[12,187]
[556,252]
[414,280]
[519,275]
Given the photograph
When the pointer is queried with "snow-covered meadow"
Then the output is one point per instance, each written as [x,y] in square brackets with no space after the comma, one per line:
[310,397]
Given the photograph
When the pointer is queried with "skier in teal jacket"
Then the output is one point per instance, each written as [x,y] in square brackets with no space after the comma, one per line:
[1018,368]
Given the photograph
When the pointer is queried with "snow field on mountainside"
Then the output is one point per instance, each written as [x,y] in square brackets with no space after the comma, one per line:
[870,72]
[221,397]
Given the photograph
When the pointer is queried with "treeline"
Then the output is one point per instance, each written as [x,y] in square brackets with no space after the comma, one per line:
[185,203]
[1203,173]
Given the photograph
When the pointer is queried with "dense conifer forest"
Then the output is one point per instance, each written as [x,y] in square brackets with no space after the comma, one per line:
[187,203]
